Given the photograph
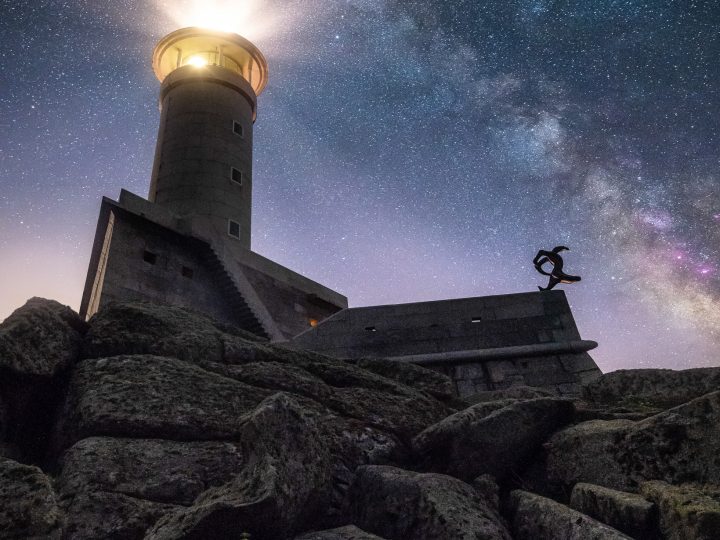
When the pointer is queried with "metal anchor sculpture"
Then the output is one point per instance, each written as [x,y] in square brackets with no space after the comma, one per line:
[556,274]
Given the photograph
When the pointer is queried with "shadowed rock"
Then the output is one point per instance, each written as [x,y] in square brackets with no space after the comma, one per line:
[678,445]
[398,504]
[649,389]
[539,518]
[471,442]
[97,514]
[350,532]
[39,343]
[284,485]
[582,453]
[41,338]
[153,397]
[28,508]
[517,393]
[426,380]
[686,511]
[626,512]
[348,390]
[153,469]
[143,328]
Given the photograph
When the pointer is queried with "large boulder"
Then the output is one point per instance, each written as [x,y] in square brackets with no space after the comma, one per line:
[39,342]
[283,488]
[425,380]
[98,514]
[397,504]
[143,328]
[349,532]
[28,504]
[627,512]
[153,397]
[538,518]
[348,390]
[650,389]
[678,445]
[518,392]
[472,442]
[686,511]
[153,469]
[40,339]
[584,452]
[3,420]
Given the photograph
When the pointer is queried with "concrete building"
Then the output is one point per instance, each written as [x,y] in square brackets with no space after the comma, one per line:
[188,244]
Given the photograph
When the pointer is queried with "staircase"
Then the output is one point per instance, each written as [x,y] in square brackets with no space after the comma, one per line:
[243,315]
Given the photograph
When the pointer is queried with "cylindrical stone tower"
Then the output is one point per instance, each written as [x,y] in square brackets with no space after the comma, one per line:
[208,100]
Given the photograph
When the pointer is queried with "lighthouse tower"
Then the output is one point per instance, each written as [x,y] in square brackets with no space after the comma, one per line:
[208,102]
[188,243]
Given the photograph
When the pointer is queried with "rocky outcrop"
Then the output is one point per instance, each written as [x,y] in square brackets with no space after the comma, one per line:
[471,442]
[153,397]
[40,339]
[678,445]
[651,389]
[519,392]
[276,494]
[142,328]
[686,511]
[626,512]
[29,508]
[426,380]
[346,389]
[39,343]
[167,425]
[157,470]
[350,532]
[538,518]
[398,504]
[585,452]
[96,514]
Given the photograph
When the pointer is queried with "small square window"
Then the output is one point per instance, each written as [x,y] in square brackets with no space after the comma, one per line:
[187,272]
[238,129]
[236,176]
[149,257]
[234,229]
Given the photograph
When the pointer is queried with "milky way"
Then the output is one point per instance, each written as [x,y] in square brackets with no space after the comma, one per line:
[404,150]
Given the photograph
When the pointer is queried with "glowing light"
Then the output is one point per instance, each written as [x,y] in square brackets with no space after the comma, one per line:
[197,61]
[251,19]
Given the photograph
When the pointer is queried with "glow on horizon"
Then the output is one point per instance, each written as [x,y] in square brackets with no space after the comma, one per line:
[245,17]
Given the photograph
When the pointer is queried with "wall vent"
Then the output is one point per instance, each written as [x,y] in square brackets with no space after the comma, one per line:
[234,229]
[149,257]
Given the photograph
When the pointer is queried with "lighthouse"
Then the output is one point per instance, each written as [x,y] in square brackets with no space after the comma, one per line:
[188,243]
[210,82]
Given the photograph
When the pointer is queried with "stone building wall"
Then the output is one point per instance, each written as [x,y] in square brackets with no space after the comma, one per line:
[147,262]
[482,343]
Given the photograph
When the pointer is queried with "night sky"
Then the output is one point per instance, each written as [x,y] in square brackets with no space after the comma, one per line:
[405,150]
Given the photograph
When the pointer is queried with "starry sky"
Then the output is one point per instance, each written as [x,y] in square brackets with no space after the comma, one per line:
[405,150]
